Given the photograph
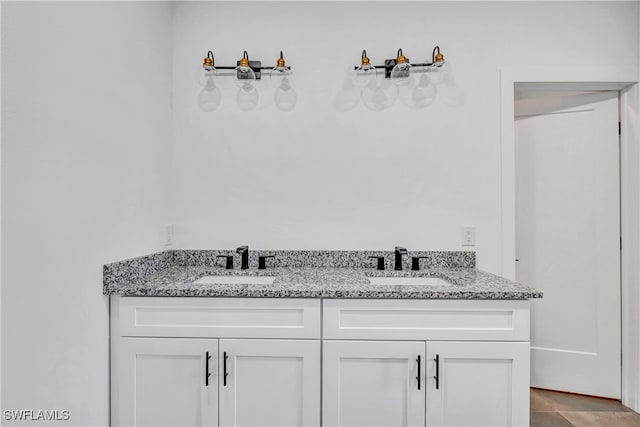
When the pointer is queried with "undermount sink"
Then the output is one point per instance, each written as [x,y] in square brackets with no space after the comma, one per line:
[408,281]
[235,280]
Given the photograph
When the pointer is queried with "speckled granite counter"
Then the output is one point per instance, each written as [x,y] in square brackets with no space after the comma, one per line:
[308,274]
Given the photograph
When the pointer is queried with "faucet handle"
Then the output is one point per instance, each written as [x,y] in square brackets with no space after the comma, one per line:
[229,264]
[415,262]
[242,249]
[401,250]
[262,261]
[380,261]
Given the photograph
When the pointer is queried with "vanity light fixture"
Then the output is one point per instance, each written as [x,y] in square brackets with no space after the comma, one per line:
[245,74]
[400,68]
[401,72]
[210,96]
[285,96]
[366,72]
[400,82]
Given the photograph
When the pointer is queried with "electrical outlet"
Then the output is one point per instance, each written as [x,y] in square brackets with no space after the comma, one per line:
[168,235]
[468,235]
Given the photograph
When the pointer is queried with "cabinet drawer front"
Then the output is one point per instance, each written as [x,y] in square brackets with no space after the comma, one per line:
[217,317]
[426,320]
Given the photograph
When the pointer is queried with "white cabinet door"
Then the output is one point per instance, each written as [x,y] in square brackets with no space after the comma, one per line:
[162,382]
[373,383]
[479,384]
[269,383]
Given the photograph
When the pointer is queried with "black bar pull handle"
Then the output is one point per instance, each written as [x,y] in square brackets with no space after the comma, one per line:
[419,376]
[207,374]
[224,369]
[437,376]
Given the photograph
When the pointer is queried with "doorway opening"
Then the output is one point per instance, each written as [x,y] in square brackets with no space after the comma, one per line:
[587,80]
[567,186]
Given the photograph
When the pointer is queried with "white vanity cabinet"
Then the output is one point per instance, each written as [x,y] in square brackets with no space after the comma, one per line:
[284,362]
[269,377]
[474,363]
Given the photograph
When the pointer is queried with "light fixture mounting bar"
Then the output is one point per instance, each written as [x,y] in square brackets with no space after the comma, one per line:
[256,66]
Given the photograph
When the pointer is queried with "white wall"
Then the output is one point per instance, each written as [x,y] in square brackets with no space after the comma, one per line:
[86,143]
[88,162]
[316,178]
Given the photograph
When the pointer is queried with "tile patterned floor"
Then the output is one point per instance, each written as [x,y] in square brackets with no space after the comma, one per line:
[555,409]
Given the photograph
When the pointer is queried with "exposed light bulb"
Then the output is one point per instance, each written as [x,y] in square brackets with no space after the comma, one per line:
[279,72]
[243,73]
[449,91]
[437,73]
[247,97]
[439,69]
[348,97]
[401,72]
[207,70]
[378,97]
[209,97]
[201,76]
[278,75]
[424,92]
[405,93]
[365,73]
[285,96]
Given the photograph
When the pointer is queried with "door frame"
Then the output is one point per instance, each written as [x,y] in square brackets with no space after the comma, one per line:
[624,80]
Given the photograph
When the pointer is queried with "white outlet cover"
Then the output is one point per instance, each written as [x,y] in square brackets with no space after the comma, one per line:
[468,235]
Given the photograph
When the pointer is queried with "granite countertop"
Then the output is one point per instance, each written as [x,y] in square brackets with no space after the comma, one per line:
[171,276]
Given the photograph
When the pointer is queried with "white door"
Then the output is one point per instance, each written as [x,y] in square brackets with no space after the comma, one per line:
[373,383]
[567,244]
[269,383]
[163,382]
[479,384]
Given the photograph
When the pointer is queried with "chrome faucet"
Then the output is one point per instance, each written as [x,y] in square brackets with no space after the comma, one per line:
[244,252]
[399,252]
